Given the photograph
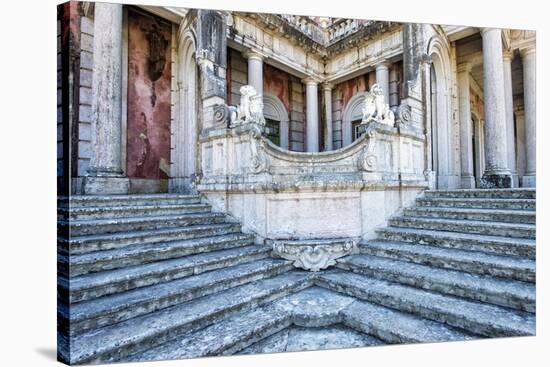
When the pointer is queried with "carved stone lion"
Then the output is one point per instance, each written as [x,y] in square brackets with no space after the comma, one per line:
[250,109]
[376,109]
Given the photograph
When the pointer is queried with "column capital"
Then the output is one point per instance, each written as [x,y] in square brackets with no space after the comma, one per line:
[484,30]
[327,86]
[253,54]
[310,80]
[382,64]
[507,55]
[465,67]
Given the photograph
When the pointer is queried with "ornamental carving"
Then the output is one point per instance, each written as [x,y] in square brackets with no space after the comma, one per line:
[250,110]
[313,256]
[367,160]
[376,109]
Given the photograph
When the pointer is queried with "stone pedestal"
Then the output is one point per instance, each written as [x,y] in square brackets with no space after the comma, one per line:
[465,116]
[496,172]
[312,115]
[529,97]
[105,175]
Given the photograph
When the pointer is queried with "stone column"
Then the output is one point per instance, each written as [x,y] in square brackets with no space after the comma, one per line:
[312,118]
[529,99]
[520,142]
[327,89]
[496,172]
[465,118]
[105,175]
[383,79]
[255,71]
[509,103]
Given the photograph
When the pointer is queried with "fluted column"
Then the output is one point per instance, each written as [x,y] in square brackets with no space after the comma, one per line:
[465,118]
[509,103]
[496,172]
[383,79]
[327,90]
[528,56]
[105,175]
[255,71]
[312,118]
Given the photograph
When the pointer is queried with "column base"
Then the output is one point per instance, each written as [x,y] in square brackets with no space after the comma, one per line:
[529,181]
[94,185]
[515,180]
[468,182]
[496,181]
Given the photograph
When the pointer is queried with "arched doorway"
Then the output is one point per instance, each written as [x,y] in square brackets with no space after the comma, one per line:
[351,118]
[185,129]
[277,121]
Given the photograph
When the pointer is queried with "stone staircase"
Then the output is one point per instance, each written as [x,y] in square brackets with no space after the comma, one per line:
[146,277]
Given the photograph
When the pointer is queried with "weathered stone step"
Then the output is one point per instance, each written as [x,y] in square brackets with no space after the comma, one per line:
[84,213]
[114,225]
[95,285]
[91,243]
[479,203]
[474,317]
[465,241]
[522,193]
[140,254]
[491,215]
[512,294]
[510,267]
[111,309]
[127,200]
[131,336]
[300,339]
[466,226]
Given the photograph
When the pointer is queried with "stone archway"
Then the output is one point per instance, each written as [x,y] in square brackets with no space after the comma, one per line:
[445,153]
[184,127]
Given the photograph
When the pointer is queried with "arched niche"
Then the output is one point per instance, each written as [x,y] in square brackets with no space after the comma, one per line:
[275,110]
[352,112]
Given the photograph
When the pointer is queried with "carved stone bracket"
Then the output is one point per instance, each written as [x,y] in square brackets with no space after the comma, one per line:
[313,255]
[259,162]
[367,159]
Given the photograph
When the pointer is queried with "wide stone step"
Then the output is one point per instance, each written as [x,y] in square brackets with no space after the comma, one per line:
[127,200]
[512,294]
[117,341]
[483,193]
[102,212]
[465,241]
[466,226]
[95,285]
[479,203]
[114,225]
[91,243]
[111,309]
[510,267]
[141,254]
[474,317]
[490,215]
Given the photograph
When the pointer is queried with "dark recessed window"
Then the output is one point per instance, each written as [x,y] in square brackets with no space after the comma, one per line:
[356,130]
[272,131]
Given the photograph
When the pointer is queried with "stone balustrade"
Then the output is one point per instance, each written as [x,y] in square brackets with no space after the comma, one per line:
[282,194]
